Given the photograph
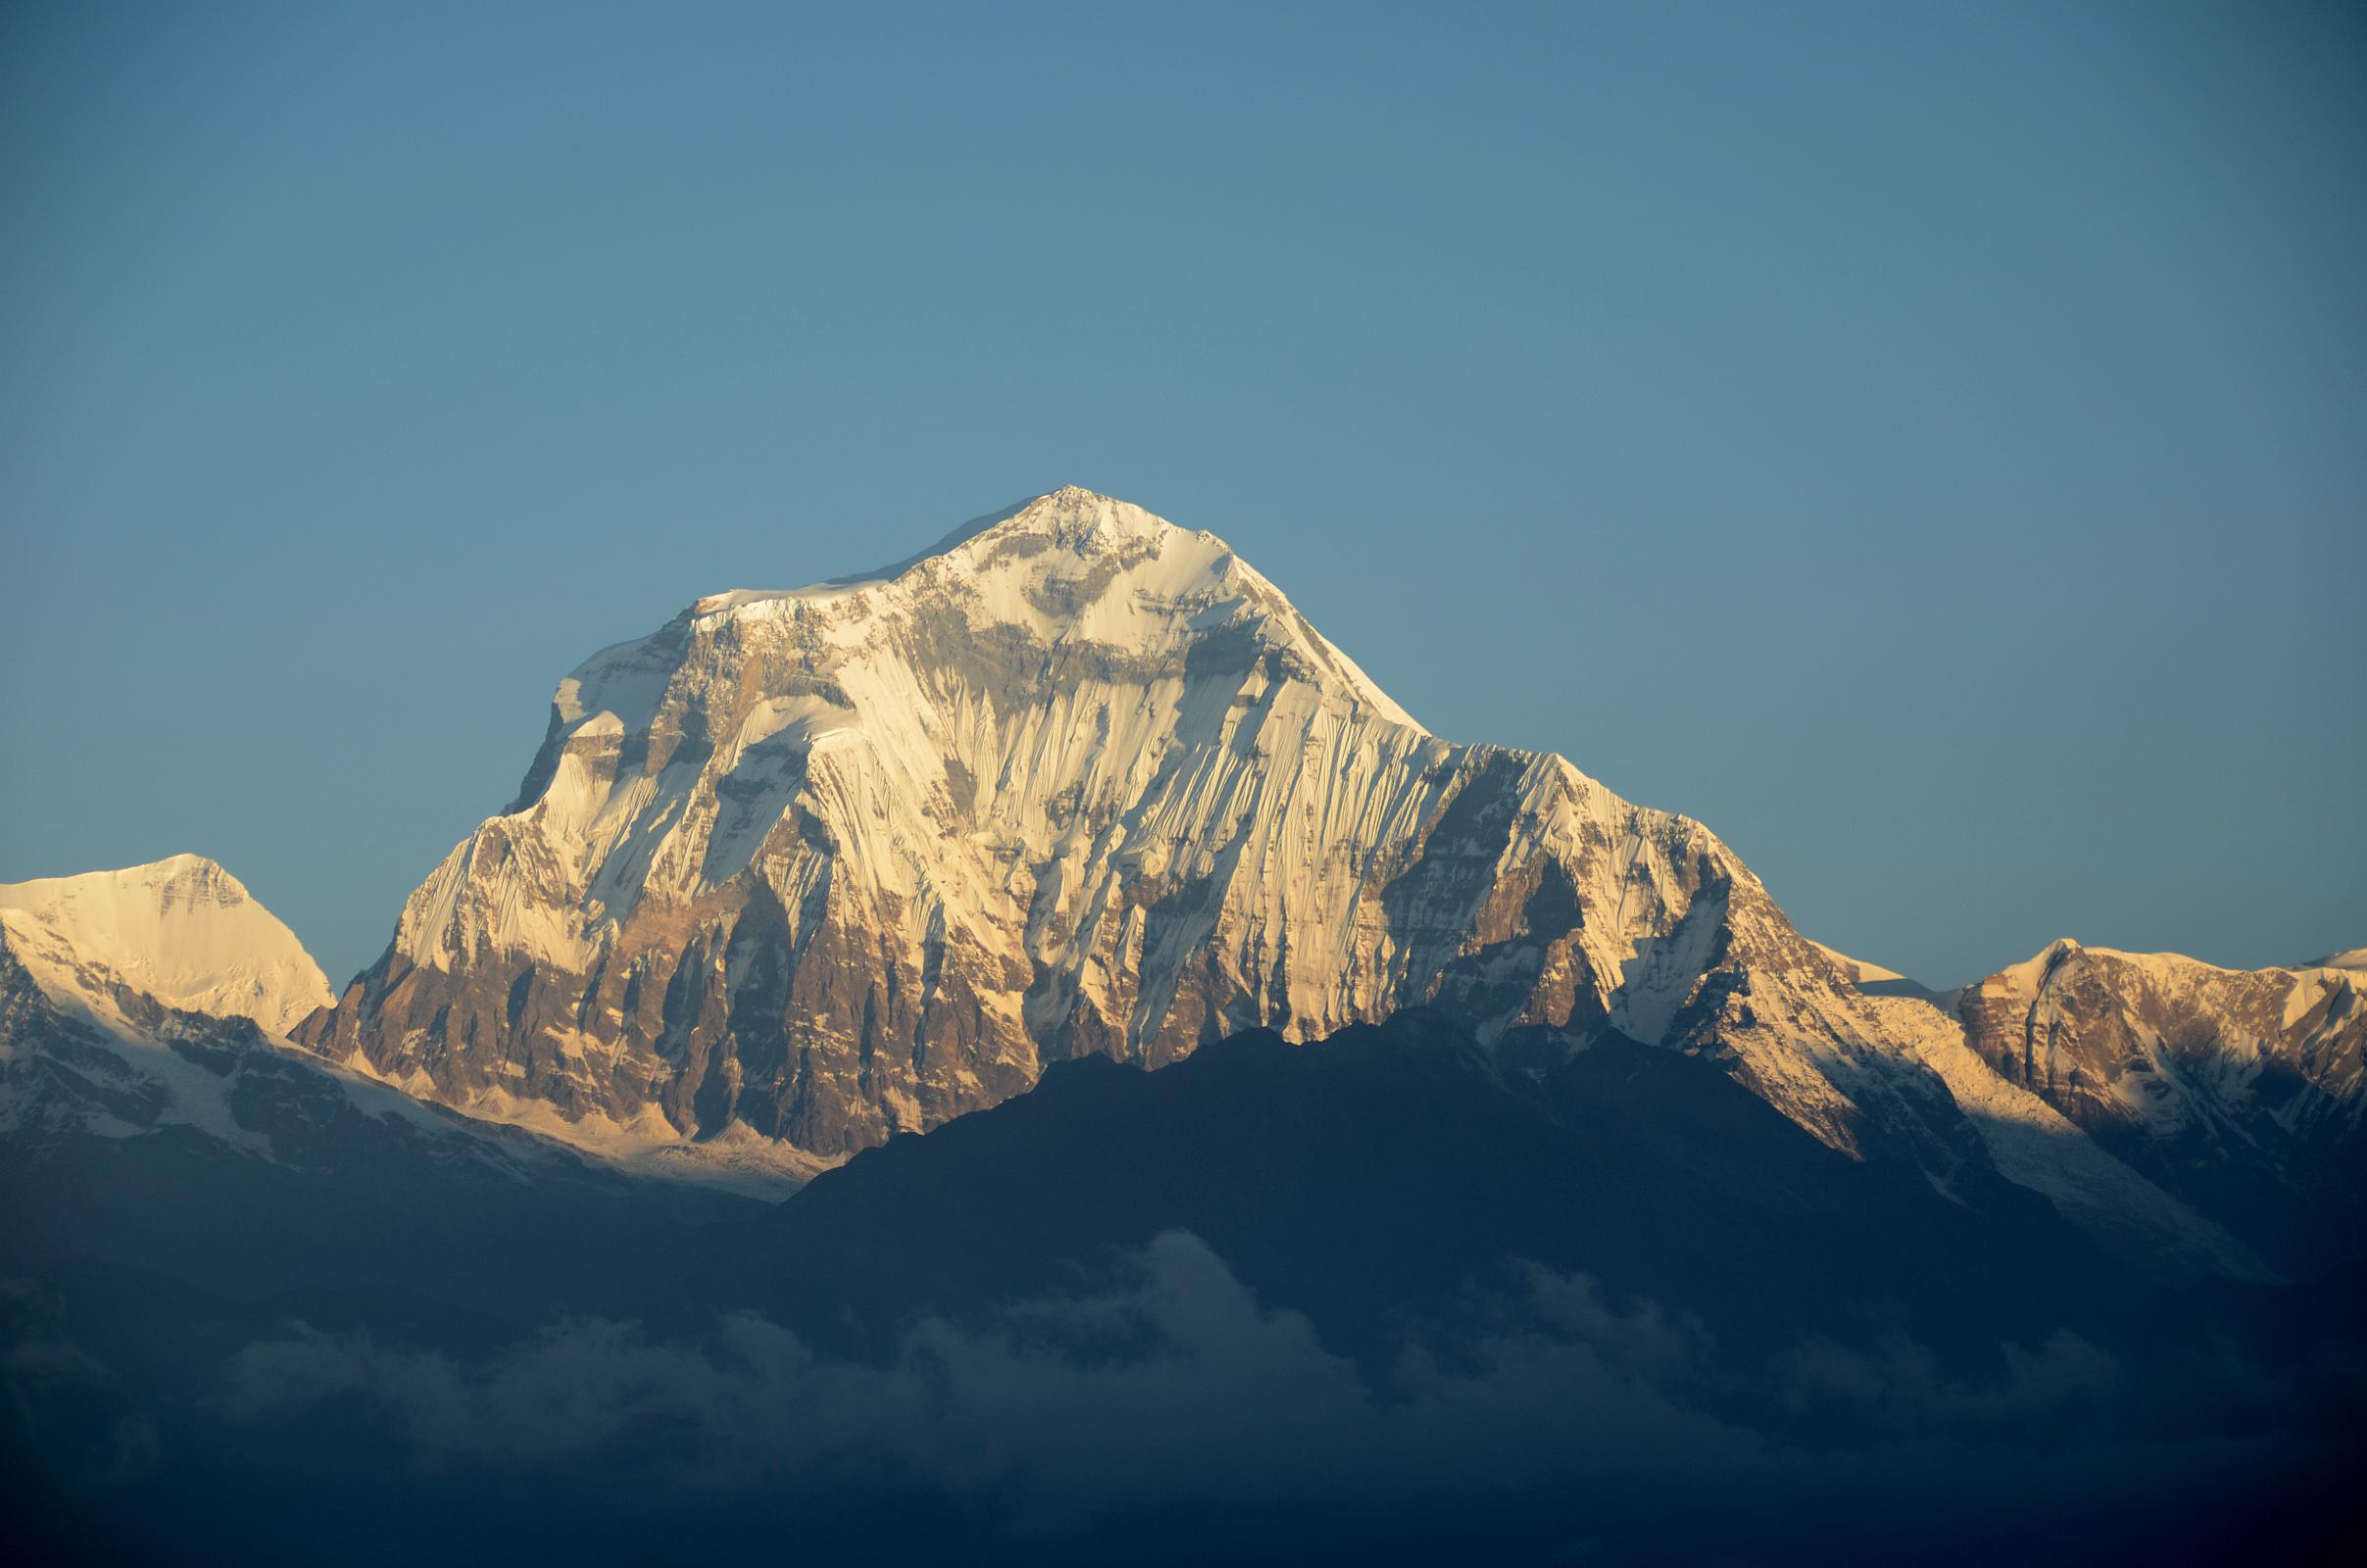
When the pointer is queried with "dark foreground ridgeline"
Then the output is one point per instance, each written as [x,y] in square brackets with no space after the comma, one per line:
[1393,1296]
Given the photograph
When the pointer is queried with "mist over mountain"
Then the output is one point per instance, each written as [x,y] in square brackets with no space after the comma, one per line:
[1030,1051]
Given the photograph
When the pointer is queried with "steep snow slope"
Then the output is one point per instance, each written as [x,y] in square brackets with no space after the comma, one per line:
[2034,1145]
[1858,969]
[182,931]
[99,1059]
[824,864]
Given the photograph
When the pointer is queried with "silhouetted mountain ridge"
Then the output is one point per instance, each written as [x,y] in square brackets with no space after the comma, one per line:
[1400,1168]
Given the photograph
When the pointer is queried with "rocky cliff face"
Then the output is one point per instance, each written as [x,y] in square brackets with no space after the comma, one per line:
[821,865]
[2242,1090]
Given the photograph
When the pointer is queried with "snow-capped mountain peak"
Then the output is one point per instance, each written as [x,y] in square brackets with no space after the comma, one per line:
[809,868]
[181,931]
[1075,779]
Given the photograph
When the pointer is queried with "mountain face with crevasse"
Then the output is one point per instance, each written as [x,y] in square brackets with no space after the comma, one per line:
[804,869]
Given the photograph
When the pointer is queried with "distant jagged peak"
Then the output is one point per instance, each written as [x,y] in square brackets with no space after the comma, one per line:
[2066,956]
[157,888]
[182,931]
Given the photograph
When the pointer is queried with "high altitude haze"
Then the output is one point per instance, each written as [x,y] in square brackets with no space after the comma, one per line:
[1921,443]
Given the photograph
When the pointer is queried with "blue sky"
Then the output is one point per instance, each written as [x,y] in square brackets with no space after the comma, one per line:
[1924,443]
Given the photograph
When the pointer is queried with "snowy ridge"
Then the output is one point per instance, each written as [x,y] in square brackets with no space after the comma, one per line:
[1858,969]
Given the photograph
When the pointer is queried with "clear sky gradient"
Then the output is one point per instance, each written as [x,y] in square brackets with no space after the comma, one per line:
[1928,444]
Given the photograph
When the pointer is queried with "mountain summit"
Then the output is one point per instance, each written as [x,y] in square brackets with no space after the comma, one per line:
[182,931]
[804,869]
[853,859]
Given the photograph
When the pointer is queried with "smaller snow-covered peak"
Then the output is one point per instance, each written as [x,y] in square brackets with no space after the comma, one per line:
[2064,956]
[182,930]
[178,881]
[2027,976]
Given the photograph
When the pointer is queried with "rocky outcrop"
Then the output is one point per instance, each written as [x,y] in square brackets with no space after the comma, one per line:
[2241,1090]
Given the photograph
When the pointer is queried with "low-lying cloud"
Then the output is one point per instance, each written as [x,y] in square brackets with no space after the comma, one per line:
[1173,1387]
[1172,1382]
[1165,1399]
